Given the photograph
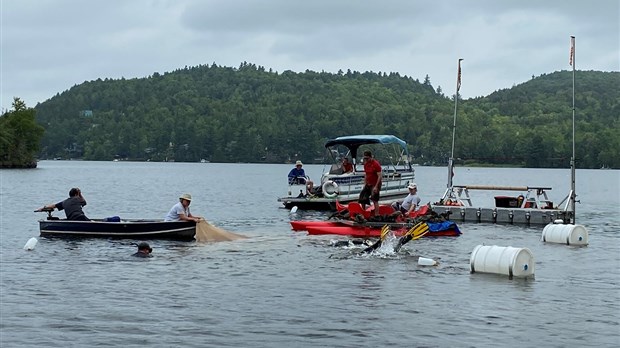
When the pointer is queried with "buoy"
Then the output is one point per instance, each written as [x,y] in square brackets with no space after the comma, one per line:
[514,262]
[565,234]
[293,209]
[423,261]
[30,244]
[330,189]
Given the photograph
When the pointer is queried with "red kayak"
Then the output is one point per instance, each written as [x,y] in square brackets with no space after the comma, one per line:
[435,230]
[303,225]
[354,208]
[357,232]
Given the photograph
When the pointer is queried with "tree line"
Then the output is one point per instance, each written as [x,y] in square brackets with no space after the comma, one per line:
[20,136]
[250,114]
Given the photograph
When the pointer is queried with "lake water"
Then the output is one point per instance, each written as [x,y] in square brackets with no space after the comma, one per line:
[286,289]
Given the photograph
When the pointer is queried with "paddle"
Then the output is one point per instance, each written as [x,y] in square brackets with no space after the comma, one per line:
[416,232]
[384,232]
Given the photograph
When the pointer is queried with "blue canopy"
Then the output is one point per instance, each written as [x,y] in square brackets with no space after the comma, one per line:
[355,141]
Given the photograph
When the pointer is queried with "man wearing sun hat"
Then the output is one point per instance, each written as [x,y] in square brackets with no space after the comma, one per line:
[180,211]
[297,176]
[411,202]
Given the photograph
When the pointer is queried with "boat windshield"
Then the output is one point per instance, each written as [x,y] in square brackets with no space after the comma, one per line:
[389,150]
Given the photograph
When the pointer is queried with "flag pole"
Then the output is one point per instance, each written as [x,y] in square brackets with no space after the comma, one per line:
[456,101]
[572,161]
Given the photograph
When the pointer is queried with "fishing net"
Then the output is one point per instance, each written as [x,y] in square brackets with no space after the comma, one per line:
[205,232]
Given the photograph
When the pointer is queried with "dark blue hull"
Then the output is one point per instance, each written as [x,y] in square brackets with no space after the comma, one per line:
[134,229]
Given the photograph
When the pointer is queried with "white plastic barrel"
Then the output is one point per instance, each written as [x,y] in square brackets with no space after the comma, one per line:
[514,262]
[565,234]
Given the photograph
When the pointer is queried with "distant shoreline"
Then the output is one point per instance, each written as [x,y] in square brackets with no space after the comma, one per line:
[30,165]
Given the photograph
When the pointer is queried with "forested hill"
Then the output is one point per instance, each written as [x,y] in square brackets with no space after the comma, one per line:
[249,114]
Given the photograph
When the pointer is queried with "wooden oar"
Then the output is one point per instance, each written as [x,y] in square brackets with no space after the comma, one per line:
[384,232]
[416,232]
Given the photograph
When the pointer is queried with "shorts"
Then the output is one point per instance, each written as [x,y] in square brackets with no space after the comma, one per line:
[399,207]
[366,195]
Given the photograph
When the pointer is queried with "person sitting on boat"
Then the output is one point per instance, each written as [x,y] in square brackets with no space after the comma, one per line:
[144,250]
[72,206]
[180,211]
[411,203]
[297,176]
[347,167]
[372,182]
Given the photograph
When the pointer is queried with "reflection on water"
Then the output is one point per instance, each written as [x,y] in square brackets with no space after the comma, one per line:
[282,288]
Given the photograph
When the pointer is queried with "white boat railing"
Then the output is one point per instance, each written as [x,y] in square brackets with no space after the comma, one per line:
[535,197]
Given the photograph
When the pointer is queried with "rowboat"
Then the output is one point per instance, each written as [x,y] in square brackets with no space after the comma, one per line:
[337,186]
[118,228]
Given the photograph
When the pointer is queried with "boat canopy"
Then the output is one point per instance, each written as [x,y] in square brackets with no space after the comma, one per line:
[355,141]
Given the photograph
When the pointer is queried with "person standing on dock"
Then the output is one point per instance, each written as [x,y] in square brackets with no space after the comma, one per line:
[372,182]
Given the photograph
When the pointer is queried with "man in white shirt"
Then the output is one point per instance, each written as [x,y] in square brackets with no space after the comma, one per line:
[180,211]
[411,202]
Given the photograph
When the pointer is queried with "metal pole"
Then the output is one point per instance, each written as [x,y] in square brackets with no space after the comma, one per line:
[573,164]
[456,101]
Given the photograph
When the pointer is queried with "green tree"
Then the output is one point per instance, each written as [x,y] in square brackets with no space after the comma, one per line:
[20,136]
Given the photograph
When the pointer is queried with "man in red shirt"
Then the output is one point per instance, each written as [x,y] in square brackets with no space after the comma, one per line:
[372,182]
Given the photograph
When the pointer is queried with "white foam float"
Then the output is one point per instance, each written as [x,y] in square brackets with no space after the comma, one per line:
[293,209]
[565,234]
[30,244]
[514,262]
[423,261]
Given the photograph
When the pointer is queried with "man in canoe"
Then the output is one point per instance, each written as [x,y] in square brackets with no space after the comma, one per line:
[72,206]
[180,211]
[372,182]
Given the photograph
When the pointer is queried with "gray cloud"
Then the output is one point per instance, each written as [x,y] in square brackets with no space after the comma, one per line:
[50,46]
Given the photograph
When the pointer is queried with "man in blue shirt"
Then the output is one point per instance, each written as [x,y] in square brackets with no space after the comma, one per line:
[297,176]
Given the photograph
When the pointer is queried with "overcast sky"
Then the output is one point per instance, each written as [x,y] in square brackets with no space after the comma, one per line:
[48,46]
